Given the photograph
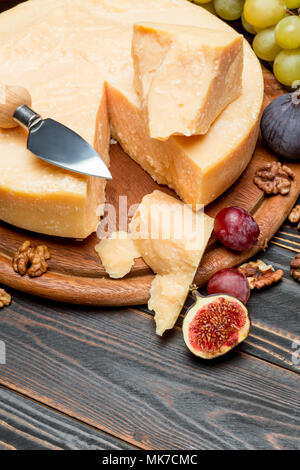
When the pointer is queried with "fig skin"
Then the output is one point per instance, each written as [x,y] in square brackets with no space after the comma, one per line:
[227,344]
[280,126]
[230,281]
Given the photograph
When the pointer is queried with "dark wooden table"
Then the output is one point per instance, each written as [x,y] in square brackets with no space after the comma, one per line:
[91,378]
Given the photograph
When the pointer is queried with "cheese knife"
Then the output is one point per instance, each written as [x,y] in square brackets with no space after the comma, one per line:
[48,139]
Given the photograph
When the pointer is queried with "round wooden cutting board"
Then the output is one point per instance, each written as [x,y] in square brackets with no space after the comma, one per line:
[76,274]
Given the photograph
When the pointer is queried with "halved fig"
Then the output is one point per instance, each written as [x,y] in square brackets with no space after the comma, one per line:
[215,324]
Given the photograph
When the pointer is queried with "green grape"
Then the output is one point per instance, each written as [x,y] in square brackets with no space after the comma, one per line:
[265,46]
[210,7]
[264,13]
[229,9]
[247,26]
[287,66]
[287,32]
[201,2]
[292,3]
[258,30]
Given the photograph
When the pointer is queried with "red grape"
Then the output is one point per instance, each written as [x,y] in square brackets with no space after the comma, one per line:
[230,281]
[236,229]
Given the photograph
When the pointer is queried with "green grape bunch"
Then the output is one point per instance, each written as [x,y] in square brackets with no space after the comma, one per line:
[275,25]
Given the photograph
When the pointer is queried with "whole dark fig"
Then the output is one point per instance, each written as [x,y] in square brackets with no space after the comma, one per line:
[280,125]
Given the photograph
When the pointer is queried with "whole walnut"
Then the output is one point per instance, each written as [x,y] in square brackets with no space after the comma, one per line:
[31,260]
[294,216]
[295,268]
[260,274]
[5,298]
[274,178]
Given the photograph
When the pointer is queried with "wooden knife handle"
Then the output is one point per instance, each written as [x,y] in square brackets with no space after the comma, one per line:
[11,97]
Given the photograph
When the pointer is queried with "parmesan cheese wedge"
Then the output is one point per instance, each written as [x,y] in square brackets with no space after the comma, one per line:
[198,168]
[74,56]
[171,238]
[117,254]
[168,295]
[185,76]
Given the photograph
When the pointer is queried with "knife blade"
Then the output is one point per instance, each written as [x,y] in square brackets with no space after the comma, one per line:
[48,139]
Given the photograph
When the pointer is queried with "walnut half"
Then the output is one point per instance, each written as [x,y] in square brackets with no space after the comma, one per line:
[294,216]
[295,268]
[274,178]
[31,260]
[5,298]
[260,274]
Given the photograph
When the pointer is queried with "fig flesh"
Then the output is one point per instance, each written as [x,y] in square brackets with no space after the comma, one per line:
[214,325]
[280,125]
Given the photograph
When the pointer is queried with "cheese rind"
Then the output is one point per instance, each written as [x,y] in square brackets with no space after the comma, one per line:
[185,76]
[171,238]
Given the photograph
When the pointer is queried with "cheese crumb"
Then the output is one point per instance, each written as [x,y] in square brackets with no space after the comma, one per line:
[117,254]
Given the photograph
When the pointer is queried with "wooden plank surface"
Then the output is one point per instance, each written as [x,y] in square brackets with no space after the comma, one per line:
[27,425]
[275,313]
[107,368]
